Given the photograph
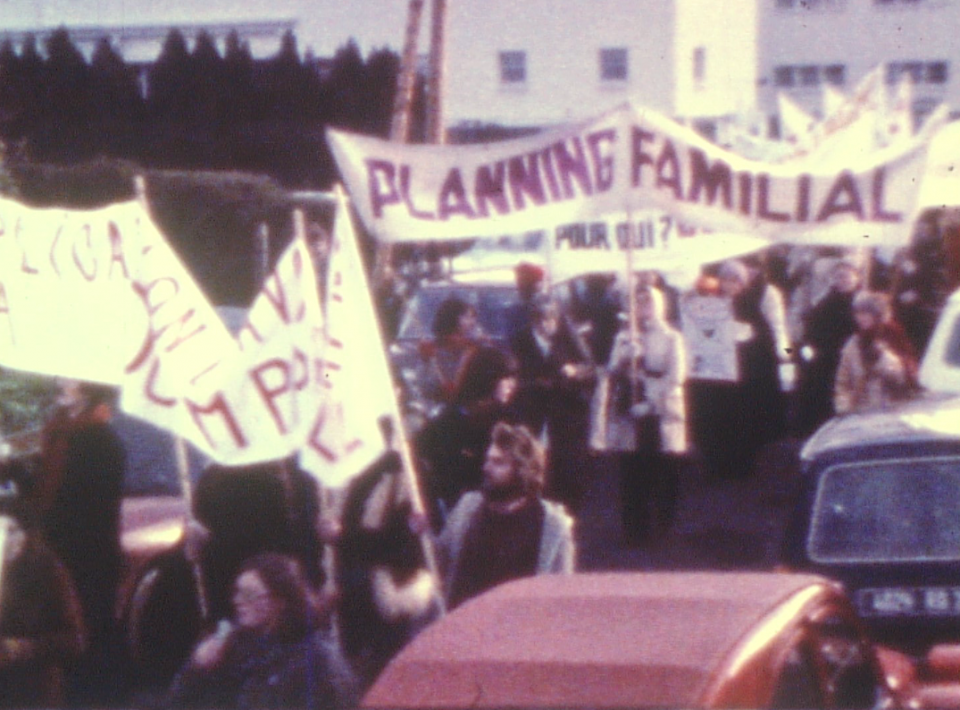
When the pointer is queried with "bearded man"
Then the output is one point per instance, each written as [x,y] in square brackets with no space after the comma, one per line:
[506,530]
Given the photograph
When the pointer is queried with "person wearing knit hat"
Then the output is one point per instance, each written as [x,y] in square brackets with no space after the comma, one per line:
[878,365]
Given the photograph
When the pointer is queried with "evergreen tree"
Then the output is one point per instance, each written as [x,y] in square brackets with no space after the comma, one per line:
[170,85]
[345,86]
[207,69]
[67,82]
[380,84]
[115,89]
[238,83]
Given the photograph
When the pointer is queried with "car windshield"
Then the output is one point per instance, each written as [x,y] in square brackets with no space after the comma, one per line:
[491,303]
[898,510]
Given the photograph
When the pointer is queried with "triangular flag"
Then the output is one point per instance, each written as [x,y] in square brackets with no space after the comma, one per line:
[347,435]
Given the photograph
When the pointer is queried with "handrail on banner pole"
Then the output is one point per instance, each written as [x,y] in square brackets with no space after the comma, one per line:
[183,465]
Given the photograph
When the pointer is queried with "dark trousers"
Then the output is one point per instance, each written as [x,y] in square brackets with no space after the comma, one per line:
[649,485]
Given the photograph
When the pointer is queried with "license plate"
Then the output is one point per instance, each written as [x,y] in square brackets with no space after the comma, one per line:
[894,601]
[888,601]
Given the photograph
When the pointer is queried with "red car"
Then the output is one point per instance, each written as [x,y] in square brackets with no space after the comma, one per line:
[662,639]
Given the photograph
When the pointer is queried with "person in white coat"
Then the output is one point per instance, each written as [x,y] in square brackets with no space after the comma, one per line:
[646,416]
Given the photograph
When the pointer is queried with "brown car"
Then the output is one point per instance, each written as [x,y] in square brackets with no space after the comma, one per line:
[662,639]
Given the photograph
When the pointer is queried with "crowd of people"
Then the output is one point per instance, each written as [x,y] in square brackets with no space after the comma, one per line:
[299,608]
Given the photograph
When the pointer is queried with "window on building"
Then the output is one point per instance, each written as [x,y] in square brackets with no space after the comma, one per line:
[613,64]
[513,67]
[806,4]
[917,72]
[783,76]
[699,64]
[809,75]
[937,73]
[835,74]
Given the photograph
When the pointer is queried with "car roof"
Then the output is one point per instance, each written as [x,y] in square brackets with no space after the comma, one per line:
[592,639]
[933,417]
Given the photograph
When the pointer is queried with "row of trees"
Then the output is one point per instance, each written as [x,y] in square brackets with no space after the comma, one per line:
[192,108]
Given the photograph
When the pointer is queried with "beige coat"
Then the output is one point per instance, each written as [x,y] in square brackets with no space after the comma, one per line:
[859,387]
[663,353]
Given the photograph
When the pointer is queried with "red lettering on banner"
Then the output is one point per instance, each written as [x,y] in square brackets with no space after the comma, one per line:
[5,310]
[325,450]
[877,192]
[453,197]
[146,293]
[382,184]
[716,179]
[763,201]
[546,160]
[53,250]
[803,198]
[154,334]
[276,293]
[489,187]
[572,166]
[314,442]
[248,327]
[217,405]
[746,193]
[603,162]
[639,157]
[91,275]
[25,265]
[844,196]
[524,179]
[149,387]
[287,383]
[116,249]
[668,170]
[407,199]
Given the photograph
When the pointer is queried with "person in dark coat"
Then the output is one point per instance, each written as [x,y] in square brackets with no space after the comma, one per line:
[274,653]
[247,510]
[453,444]
[83,467]
[41,622]
[735,420]
[827,326]
[597,308]
[529,279]
[386,592]
[555,382]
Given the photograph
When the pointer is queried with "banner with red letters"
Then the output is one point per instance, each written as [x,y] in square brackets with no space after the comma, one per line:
[625,161]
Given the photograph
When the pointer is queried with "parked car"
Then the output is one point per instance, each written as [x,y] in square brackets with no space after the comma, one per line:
[879,510]
[491,293]
[940,366]
[660,639]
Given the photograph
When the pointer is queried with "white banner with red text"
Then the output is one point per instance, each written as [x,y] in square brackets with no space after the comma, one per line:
[99,295]
[625,161]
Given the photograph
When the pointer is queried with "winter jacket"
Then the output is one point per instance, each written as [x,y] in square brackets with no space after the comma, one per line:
[556,554]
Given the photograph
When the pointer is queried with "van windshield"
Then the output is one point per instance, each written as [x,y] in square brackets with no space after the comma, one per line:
[893,510]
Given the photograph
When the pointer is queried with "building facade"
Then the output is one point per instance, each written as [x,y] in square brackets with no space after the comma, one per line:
[545,62]
[805,45]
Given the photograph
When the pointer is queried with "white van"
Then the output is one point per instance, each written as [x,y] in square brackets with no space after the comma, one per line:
[940,367]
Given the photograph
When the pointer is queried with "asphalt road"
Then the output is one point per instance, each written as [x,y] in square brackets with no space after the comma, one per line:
[720,524]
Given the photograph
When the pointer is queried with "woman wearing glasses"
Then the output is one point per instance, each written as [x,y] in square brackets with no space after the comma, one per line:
[273,654]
